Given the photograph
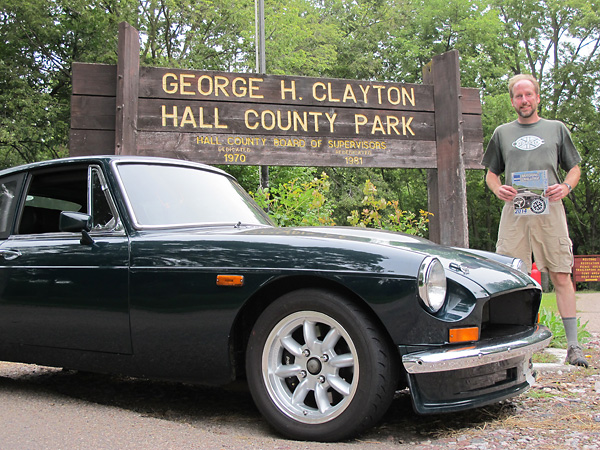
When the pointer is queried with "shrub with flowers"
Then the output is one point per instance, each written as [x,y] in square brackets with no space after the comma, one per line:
[304,203]
[378,212]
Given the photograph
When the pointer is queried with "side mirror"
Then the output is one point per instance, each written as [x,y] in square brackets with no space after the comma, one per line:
[74,221]
[71,221]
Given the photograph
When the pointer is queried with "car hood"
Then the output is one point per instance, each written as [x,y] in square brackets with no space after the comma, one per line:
[460,264]
[349,249]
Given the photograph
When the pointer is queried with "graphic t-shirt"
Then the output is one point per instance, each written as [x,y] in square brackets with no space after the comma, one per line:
[544,145]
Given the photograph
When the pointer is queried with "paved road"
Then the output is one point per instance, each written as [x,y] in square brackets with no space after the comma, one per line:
[49,409]
[45,408]
[588,310]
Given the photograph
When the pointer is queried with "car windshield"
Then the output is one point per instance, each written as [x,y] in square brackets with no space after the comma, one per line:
[161,195]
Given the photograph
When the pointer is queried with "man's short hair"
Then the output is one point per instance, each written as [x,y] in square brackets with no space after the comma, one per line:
[520,77]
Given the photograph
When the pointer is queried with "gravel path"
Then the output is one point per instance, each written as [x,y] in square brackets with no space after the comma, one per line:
[46,408]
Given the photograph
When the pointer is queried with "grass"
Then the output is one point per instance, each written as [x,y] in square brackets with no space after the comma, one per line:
[549,302]
[550,317]
[544,358]
[537,393]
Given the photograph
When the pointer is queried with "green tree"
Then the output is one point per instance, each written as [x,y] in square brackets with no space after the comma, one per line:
[198,34]
[300,38]
[40,40]
[387,40]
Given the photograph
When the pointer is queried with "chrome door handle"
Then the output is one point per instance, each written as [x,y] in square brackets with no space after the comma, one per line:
[9,255]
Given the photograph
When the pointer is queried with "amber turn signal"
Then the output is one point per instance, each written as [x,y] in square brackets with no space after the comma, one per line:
[230,280]
[464,334]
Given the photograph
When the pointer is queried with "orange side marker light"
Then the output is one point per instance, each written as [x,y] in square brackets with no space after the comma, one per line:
[464,334]
[230,280]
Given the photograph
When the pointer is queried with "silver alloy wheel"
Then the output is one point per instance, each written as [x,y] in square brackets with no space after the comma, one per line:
[310,367]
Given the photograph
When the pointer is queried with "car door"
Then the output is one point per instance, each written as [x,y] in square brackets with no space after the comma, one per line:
[56,288]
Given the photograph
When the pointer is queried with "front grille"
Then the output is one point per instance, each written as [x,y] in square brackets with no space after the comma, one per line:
[510,313]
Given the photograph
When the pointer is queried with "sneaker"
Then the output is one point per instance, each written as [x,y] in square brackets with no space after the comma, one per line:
[575,356]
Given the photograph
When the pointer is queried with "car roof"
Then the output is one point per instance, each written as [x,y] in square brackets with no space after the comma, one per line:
[109,159]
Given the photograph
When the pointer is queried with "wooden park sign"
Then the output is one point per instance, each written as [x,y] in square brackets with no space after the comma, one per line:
[586,268]
[258,119]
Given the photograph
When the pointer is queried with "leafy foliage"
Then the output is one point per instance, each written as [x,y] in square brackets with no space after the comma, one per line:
[388,40]
[297,203]
[554,322]
[304,203]
[378,212]
[408,187]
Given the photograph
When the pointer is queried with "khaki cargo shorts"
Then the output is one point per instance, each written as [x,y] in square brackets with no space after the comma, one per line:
[544,235]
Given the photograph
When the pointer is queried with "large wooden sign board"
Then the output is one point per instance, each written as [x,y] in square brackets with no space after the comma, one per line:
[256,119]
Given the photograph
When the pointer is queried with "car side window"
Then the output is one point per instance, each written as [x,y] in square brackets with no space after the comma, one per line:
[50,192]
[102,208]
[9,196]
[79,189]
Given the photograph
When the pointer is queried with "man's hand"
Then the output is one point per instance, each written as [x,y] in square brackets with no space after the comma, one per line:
[557,192]
[502,191]
[506,193]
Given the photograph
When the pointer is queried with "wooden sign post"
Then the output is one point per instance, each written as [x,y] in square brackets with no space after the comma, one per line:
[259,119]
[447,184]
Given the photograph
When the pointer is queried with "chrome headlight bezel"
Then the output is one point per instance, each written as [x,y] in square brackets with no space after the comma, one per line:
[432,284]
[519,265]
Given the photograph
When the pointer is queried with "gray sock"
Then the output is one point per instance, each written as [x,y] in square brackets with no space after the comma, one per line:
[570,324]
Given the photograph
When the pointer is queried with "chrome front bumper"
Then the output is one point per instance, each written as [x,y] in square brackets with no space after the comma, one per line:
[476,354]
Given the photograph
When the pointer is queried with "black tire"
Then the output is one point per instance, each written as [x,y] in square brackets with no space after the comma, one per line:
[314,348]
[538,206]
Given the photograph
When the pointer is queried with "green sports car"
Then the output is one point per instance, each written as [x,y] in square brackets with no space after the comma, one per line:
[167,269]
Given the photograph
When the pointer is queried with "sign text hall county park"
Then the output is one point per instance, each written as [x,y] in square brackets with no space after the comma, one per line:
[232,118]
[272,120]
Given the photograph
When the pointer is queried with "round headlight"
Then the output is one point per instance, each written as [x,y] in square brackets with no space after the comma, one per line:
[432,284]
[519,265]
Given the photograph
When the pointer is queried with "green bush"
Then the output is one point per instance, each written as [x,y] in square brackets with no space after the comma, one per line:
[554,322]
[381,213]
[303,203]
[297,203]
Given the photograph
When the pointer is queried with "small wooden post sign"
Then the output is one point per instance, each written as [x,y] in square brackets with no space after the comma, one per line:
[586,268]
